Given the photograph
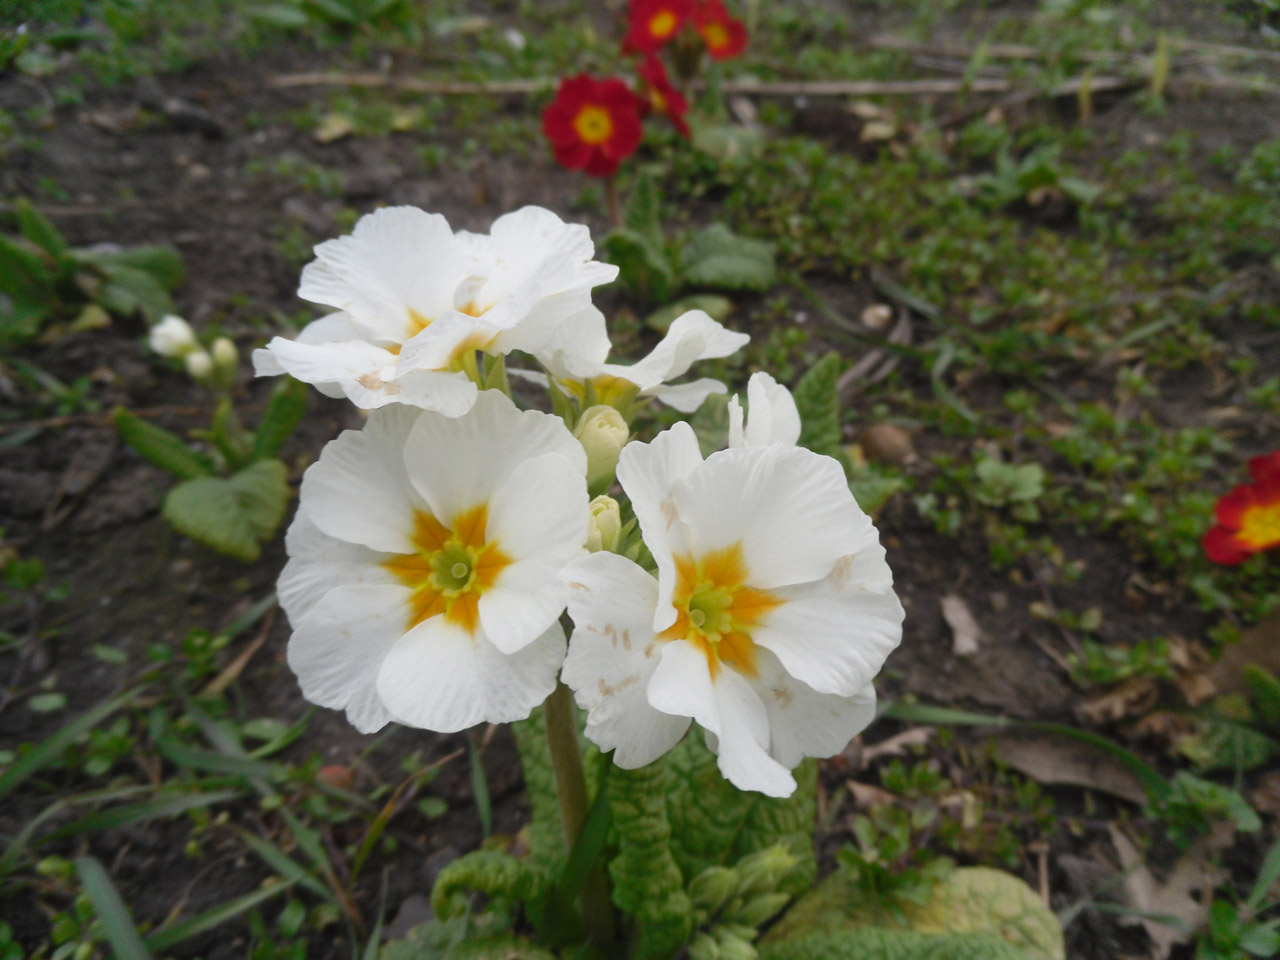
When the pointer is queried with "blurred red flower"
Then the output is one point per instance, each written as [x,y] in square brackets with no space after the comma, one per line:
[660,96]
[593,125]
[651,23]
[1248,516]
[724,35]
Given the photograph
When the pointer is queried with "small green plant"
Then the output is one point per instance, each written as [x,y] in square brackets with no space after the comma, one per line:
[338,16]
[1015,486]
[42,277]
[1194,804]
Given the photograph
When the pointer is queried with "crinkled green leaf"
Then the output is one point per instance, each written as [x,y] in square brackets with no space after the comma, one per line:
[159,446]
[233,516]
[976,901]
[728,142]
[546,835]
[891,945]
[491,872]
[818,400]
[647,883]
[1223,745]
[717,257]
[873,486]
[715,306]
[643,212]
[643,267]
[788,821]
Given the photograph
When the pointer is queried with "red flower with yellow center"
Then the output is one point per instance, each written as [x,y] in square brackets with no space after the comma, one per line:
[651,23]
[1248,516]
[660,96]
[593,125]
[724,35]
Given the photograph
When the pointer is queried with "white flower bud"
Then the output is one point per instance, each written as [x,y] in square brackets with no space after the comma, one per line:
[199,365]
[704,948]
[226,360]
[606,525]
[172,337]
[603,432]
[762,908]
[712,888]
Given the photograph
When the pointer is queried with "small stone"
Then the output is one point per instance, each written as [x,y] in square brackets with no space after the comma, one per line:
[878,316]
[885,443]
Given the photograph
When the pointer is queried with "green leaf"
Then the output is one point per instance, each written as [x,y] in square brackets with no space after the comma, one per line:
[129,290]
[715,306]
[37,228]
[1267,877]
[729,143]
[873,486]
[546,835]
[643,268]
[643,212]
[27,284]
[161,263]
[817,398]
[111,911]
[1223,745]
[490,872]
[647,883]
[718,257]
[167,936]
[1265,690]
[891,945]
[280,15]
[232,516]
[160,447]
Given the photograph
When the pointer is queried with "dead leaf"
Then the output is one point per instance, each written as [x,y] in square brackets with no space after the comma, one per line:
[1061,761]
[333,127]
[965,631]
[896,746]
[1183,897]
[866,796]
[1259,646]
[1134,697]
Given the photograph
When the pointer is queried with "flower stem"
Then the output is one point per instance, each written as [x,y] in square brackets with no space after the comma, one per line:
[571,787]
[615,206]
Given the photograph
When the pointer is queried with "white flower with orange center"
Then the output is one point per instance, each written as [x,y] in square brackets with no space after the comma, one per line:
[416,301]
[575,359]
[423,581]
[772,415]
[772,610]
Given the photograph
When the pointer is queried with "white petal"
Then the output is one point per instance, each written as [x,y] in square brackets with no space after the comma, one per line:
[578,346]
[685,397]
[681,685]
[348,361]
[647,472]
[328,329]
[318,563]
[540,509]
[789,508]
[358,490]
[742,752]
[693,336]
[338,648]
[773,414]
[835,635]
[737,436]
[448,394]
[436,347]
[803,723]
[458,463]
[612,655]
[441,677]
[528,597]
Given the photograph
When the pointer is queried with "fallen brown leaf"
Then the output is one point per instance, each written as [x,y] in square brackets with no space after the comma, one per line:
[1051,759]
[1259,646]
[965,631]
[1134,697]
[896,746]
[866,796]
[1183,896]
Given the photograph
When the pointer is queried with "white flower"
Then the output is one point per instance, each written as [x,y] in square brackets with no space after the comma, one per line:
[423,581]
[772,611]
[575,359]
[172,337]
[773,417]
[416,300]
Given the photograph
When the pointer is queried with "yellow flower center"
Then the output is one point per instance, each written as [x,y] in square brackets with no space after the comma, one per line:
[657,99]
[1260,526]
[662,24]
[451,568]
[715,35]
[594,125]
[716,610]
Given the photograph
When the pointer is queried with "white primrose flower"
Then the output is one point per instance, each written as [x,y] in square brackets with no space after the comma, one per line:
[416,299]
[575,358]
[772,415]
[172,337]
[423,581]
[772,610]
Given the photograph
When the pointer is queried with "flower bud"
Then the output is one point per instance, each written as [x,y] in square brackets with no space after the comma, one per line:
[762,871]
[226,361]
[603,433]
[172,337]
[733,947]
[199,365]
[712,887]
[606,525]
[762,908]
[704,948]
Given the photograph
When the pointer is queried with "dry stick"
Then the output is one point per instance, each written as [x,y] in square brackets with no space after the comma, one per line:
[236,667]
[1017,51]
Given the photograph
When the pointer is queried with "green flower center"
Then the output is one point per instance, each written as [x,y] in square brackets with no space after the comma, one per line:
[454,569]
[709,610]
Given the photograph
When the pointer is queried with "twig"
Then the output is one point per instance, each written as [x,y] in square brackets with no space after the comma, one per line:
[236,667]
[101,418]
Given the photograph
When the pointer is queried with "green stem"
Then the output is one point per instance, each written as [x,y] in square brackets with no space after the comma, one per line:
[571,788]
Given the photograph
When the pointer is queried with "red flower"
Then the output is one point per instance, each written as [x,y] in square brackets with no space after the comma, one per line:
[593,125]
[724,35]
[1248,516]
[658,95]
[651,23]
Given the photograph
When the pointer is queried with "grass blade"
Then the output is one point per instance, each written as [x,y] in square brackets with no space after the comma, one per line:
[942,716]
[136,812]
[1267,877]
[175,933]
[50,750]
[284,864]
[116,922]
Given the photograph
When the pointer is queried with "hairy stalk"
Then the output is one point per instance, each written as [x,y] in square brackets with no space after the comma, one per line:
[571,787]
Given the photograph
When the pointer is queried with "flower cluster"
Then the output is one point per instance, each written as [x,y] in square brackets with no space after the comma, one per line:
[594,124]
[1249,516]
[435,550]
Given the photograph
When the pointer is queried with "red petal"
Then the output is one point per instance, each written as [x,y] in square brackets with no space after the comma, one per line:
[1265,470]
[1221,547]
[1231,508]
[575,156]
